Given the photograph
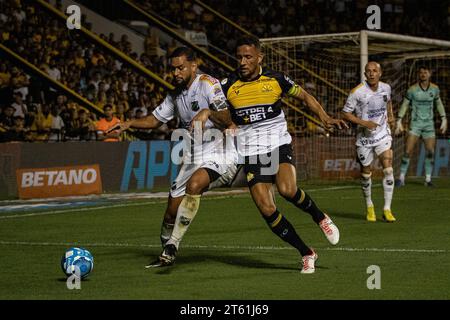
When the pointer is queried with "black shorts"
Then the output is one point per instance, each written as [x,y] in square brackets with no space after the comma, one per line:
[264,168]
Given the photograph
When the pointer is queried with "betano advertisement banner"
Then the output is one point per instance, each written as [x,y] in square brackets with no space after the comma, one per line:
[33,170]
[59,181]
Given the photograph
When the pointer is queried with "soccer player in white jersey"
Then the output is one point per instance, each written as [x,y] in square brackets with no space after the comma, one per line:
[197,97]
[371,101]
[254,96]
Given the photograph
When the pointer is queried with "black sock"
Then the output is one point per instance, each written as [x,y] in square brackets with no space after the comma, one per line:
[282,228]
[303,201]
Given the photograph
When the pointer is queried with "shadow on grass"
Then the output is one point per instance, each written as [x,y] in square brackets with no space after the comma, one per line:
[65,280]
[192,257]
[348,215]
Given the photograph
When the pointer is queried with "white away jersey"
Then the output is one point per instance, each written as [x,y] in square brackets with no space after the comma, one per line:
[370,105]
[205,92]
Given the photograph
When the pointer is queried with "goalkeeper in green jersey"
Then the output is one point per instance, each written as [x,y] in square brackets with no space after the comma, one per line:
[423,97]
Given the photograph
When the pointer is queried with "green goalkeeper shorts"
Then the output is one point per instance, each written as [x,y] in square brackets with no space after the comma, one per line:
[421,128]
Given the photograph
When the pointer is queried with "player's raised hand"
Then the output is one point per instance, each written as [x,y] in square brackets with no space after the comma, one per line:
[443,127]
[398,127]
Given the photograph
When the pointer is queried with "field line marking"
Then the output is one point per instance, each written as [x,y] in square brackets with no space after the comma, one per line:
[78,209]
[216,247]
[225,194]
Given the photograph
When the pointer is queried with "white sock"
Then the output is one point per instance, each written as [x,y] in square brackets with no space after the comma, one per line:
[186,213]
[428,178]
[388,187]
[402,177]
[366,186]
[166,232]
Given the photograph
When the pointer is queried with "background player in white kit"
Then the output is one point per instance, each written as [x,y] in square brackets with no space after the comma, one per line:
[197,97]
[371,101]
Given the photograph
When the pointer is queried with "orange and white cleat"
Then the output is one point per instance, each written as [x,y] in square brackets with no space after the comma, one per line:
[308,263]
[330,230]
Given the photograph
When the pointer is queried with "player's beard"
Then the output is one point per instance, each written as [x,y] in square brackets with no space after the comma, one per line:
[183,84]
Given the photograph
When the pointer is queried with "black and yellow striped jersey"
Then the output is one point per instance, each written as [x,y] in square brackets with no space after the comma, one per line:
[255,106]
[257,100]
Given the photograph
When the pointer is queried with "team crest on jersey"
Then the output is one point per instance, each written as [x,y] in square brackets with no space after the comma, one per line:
[195,106]
[431,94]
[267,88]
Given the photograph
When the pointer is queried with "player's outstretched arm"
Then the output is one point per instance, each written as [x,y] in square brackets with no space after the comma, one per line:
[149,122]
[316,107]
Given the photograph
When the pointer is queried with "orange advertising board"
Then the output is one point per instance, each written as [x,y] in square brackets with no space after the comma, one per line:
[59,181]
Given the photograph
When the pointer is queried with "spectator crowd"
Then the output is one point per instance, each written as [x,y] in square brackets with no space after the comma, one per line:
[33,110]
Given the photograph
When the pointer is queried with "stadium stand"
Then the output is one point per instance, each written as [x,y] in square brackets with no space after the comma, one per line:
[102,78]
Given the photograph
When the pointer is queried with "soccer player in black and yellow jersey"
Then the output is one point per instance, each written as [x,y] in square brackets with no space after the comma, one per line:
[254,95]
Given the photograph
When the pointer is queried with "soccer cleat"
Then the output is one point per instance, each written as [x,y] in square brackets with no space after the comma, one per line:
[399,183]
[371,214]
[167,257]
[388,216]
[428,184]
[308,262]
[158,263]
[330,230]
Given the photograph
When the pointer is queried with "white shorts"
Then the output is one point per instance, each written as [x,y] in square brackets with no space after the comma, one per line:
[226,172]
[366,154]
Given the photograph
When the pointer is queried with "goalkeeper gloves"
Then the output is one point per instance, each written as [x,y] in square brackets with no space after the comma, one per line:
[398,127]
[443,125]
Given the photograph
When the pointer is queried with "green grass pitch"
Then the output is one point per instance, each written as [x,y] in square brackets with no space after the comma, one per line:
[230,253]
